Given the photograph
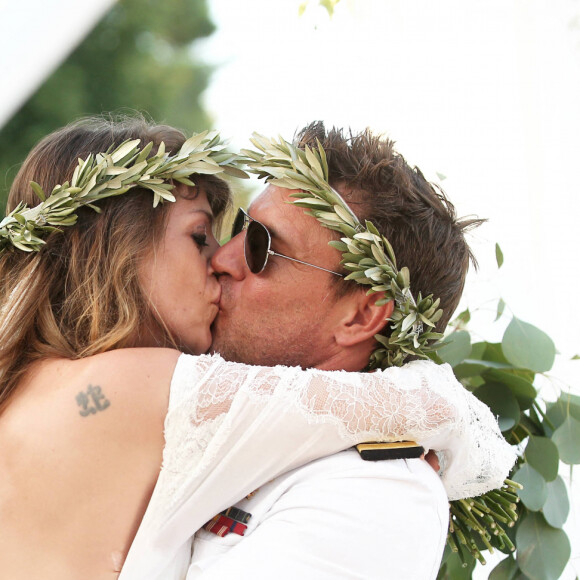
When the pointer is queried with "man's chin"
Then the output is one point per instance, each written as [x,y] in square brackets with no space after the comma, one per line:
[218,344]
[229,343]
[225,349]
[215,331]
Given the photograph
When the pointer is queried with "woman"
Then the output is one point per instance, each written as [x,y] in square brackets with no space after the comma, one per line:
[89,414]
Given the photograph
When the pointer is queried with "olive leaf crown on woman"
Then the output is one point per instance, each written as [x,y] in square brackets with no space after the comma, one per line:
[74,291]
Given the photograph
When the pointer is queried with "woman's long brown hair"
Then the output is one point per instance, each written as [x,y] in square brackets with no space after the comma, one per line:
[81,294]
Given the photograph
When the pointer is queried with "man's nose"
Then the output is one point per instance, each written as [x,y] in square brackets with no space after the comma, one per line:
[229,259]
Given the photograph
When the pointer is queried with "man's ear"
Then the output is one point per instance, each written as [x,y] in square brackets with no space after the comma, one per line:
[363,318]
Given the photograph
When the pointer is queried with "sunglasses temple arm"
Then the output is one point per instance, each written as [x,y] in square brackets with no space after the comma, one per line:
[273,253]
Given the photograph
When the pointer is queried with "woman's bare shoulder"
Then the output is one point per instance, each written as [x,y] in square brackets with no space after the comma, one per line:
[118,393]
[136,381]
[129,357]
[133,366]
[90,429]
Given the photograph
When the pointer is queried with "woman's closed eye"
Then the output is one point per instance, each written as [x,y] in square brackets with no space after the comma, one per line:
[200,240]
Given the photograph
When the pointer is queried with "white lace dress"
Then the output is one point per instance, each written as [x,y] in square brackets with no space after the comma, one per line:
[232,427]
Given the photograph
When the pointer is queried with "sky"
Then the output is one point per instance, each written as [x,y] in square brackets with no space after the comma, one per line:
[483,93]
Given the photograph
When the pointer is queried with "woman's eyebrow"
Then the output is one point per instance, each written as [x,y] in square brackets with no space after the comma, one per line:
[207,213]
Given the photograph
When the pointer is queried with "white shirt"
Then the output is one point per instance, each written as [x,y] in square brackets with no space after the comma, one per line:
[337,517]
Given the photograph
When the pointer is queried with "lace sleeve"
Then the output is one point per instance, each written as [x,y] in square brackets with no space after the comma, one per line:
[231,428]
[213,400]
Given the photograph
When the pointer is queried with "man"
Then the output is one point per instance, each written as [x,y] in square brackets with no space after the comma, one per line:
[339,517]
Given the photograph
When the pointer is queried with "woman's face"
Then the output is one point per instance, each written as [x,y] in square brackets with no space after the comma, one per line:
[177,277]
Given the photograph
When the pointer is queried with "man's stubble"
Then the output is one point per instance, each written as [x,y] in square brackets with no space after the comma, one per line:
[267,337]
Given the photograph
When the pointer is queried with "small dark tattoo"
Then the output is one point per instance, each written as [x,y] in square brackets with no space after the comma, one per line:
[91,401]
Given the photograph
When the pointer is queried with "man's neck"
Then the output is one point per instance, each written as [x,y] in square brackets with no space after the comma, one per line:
[343,362]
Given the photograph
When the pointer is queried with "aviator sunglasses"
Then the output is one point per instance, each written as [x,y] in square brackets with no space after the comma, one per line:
[257,244]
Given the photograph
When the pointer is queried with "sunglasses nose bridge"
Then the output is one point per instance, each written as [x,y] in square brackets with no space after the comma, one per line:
[241,222]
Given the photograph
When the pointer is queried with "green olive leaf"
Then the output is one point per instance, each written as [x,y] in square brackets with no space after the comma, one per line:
[498,256]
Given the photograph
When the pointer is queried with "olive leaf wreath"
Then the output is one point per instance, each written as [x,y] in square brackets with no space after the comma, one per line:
[114,173]
[475,523]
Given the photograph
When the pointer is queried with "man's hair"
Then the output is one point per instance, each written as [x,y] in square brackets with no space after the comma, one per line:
[81,294]
[413,214]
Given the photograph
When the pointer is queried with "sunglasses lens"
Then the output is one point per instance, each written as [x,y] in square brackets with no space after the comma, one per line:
[238,224]
[256,248]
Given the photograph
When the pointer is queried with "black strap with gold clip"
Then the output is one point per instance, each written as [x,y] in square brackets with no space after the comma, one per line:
[392,450]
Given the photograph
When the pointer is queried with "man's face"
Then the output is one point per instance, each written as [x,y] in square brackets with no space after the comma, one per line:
[285,314]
